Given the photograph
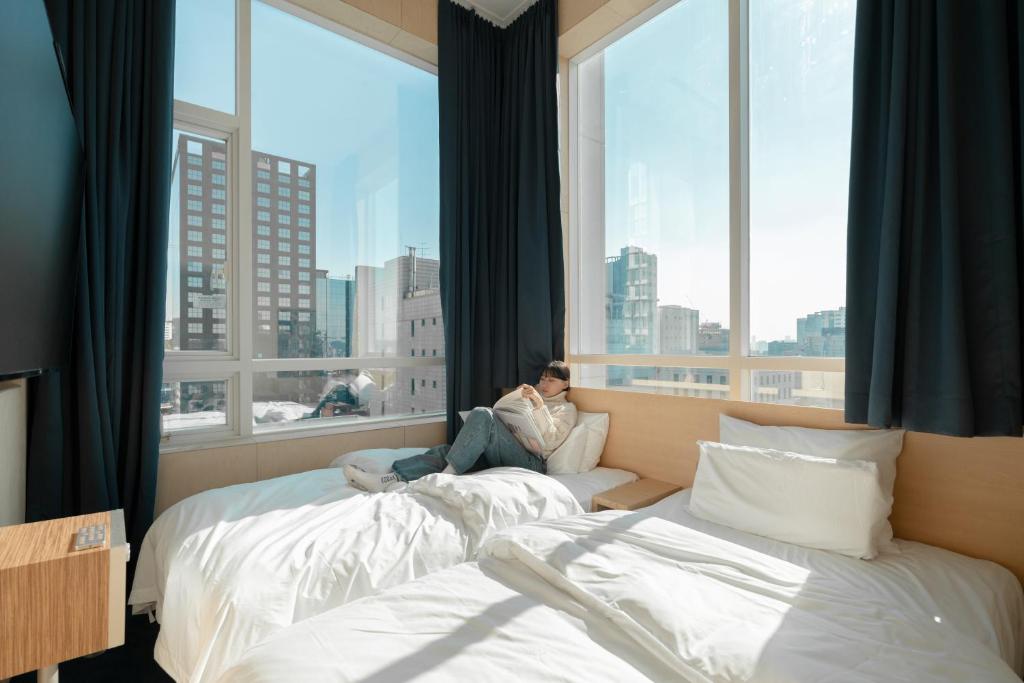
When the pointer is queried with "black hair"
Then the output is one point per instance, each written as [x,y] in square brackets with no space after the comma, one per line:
[556,369]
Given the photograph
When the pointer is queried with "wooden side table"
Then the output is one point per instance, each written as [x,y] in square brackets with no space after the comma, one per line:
[58,603]
[633,495]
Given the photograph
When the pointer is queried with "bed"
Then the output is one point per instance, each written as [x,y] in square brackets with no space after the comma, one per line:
[227,567]
[661,595]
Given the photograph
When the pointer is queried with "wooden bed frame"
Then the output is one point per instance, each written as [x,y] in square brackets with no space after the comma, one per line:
[965,495]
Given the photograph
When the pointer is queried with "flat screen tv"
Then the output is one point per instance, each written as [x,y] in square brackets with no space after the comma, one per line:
[40,195]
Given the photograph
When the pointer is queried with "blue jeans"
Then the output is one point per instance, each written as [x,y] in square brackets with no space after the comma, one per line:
[483,442]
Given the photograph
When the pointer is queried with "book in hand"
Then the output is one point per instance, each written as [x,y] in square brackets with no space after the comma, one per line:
[516,413]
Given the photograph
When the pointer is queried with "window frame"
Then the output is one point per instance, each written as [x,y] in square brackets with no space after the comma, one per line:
[237,365]
[738,362]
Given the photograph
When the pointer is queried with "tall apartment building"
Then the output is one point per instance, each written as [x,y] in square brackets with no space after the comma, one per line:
[284,257]
[677,330]
[398,312]
[335,311]
[631,300]
[199,175]
[822,333]
[284,250]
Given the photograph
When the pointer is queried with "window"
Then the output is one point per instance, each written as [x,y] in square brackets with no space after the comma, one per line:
[196,252]
[657,213]
[194,205]
[195,267]
[195,236]
[196,190]
[195,328]
[367,211]
[195,313]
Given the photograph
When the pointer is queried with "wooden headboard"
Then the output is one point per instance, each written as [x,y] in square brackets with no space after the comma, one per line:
[966,495]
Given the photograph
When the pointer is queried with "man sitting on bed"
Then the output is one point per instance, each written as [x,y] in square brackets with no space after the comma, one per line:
[485,441]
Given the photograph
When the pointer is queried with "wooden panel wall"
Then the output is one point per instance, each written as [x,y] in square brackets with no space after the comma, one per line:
[186,473]
[966,495]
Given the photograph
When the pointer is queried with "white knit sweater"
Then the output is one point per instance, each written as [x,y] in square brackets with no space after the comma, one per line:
[555,419]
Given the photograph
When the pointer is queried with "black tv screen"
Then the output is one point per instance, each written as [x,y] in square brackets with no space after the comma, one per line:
[40,195]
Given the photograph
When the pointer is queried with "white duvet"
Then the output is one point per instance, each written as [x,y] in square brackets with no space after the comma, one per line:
[631,596]
[228,567]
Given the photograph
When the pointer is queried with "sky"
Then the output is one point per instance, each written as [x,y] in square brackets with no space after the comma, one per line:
[666,126]
[368,122]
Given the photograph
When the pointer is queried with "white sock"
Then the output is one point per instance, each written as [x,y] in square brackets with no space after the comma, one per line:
[449,470]
[372,482]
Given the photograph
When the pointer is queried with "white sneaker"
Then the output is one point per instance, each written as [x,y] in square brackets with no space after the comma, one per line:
[374,483]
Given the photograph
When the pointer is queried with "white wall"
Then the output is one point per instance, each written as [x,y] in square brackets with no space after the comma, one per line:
[13,436]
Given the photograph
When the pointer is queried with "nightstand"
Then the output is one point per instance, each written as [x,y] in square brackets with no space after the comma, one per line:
[633,496]
[58,603]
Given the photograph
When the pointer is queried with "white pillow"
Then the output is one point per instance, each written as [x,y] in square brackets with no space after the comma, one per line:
[881,446]
[581,450]
[377,460]
[815,502]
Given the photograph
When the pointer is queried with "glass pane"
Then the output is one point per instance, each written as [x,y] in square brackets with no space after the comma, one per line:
[204,53]
[695,382]
[345,197]
[801,87]
[198,251]
[287,398]
[654,188]
[193,404]
[798,388]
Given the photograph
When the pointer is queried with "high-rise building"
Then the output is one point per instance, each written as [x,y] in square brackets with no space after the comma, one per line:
[284,257]
[284,250]
[822,333]
[677,330]
[713,339]
[199,175]
[631,301]
[398,312]
[335,310]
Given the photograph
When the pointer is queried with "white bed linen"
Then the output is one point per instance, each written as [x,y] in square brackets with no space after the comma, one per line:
[227,567]
[585,485]
[619,596]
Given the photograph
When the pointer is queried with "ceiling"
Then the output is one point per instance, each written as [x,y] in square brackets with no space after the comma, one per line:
[501,12]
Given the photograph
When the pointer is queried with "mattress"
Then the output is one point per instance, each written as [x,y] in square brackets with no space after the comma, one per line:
[585,485]
[659,595]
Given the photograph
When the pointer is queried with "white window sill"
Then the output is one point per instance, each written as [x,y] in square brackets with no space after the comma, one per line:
[197,441]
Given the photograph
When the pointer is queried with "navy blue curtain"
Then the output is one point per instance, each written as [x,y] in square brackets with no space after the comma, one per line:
[935,263]
[502,280]
[94,428]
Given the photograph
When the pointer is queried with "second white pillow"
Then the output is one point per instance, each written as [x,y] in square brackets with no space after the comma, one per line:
[581,450]
[814,502]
